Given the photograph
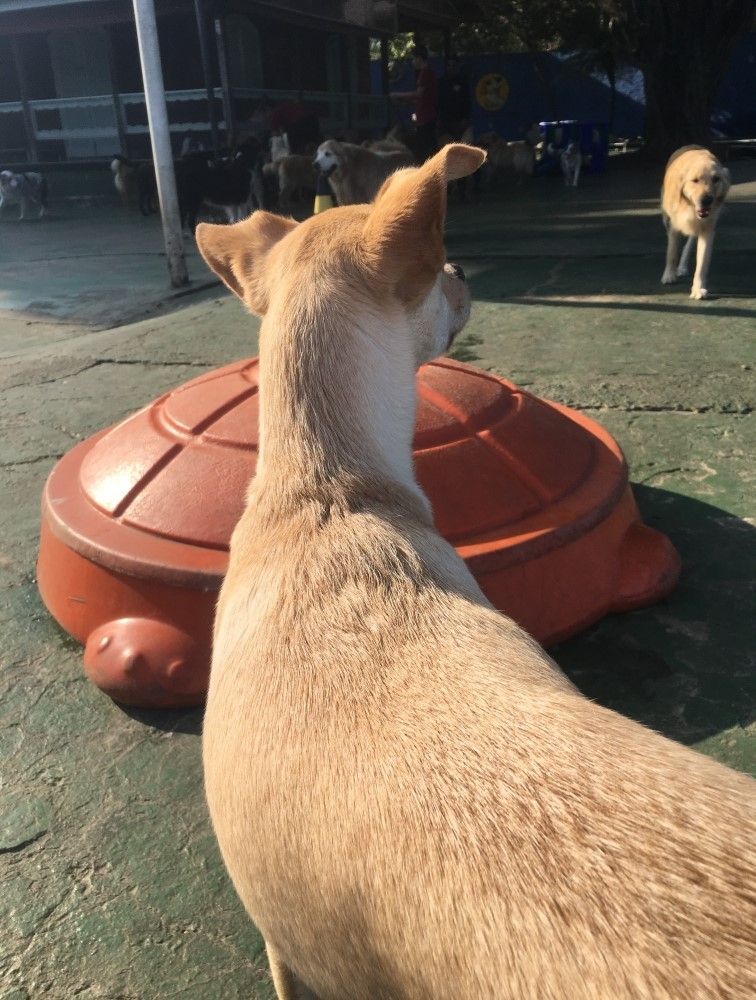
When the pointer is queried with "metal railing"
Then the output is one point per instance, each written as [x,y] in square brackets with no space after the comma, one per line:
[70,128]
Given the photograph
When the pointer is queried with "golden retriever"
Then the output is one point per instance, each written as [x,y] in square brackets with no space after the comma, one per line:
[694,189]
[356,173]
[413,801]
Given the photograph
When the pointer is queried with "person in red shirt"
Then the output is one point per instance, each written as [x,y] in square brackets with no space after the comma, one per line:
[425,96]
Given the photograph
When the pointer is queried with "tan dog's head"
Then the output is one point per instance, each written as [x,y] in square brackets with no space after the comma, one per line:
[704,182]
[378,267]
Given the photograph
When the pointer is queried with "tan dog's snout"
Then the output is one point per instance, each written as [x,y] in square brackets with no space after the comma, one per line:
[457,293]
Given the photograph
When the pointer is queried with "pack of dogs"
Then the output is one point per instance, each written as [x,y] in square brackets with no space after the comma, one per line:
[412,800]
[277,178]
[694,188]
[231,186]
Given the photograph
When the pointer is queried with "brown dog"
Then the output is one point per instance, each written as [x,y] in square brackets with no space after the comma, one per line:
[694,189]
[295,176]
[413,802]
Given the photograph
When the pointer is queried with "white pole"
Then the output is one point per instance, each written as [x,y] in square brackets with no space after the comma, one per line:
[157,116]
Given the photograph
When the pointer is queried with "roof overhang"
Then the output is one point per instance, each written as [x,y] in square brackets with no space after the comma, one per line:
[372,17]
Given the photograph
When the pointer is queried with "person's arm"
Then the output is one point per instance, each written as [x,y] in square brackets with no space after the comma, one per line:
[411,95]
[406,95]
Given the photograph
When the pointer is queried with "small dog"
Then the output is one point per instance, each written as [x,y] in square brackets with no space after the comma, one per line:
[411,798]
[355,173]
[279,147]
[694,189]
[571,160]
[125,179]
[135,183]
[27,190]
[504,157]
[230,186]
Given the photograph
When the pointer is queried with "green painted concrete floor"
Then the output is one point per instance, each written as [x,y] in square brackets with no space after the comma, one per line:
[111,887]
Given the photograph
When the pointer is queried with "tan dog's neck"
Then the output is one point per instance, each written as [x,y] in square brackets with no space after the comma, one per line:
[323,432]
[354,300]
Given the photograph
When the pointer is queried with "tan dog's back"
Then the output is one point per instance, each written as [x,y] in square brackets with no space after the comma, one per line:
[443,817]
[412,800]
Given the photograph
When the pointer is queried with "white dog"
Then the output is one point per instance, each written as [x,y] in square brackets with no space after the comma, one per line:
[570,160]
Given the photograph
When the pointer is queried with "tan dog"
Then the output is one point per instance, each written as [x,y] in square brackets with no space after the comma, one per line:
[695,187]
[504,157]
[413,802]
[355,173]
[387,145]
[295,176]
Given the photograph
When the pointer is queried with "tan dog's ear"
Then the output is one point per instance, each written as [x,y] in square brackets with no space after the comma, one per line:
[237,254]
[404,233]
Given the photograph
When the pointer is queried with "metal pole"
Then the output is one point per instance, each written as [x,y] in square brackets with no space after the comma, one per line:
[212,118]
[123,142]
[228,106]
[31,136]
[157,116]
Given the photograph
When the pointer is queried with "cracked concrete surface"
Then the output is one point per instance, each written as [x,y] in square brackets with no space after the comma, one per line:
[112,887]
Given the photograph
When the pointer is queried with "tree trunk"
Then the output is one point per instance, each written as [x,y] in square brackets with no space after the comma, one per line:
[683,49]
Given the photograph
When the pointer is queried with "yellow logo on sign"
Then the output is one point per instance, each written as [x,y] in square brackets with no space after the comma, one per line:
[492,91]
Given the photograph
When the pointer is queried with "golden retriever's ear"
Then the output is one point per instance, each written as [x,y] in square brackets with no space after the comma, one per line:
[404,233]
[237,254]
[724,173]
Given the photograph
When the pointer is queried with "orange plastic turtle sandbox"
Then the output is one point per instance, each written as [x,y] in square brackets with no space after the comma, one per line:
[136,520]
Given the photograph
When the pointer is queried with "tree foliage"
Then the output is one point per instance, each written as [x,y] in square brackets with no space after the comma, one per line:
[682,47]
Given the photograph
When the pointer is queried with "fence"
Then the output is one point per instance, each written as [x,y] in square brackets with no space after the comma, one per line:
[70,128]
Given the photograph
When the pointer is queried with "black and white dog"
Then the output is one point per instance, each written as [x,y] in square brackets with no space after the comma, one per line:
[28,191]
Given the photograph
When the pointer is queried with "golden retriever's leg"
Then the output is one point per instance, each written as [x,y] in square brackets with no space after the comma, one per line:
[673,246]
[703,259]
[683,267]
